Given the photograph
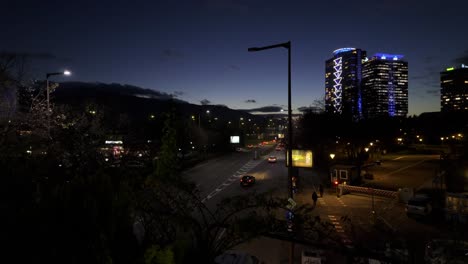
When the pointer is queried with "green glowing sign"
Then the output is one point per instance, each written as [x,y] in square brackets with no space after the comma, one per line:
[450,69]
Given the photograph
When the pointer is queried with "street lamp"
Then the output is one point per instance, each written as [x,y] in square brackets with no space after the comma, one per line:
[286,45]
[48,95]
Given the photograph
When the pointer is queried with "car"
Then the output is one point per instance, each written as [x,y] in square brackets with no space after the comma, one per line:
[419,205]
[247,180]
[278,148]
[272,159]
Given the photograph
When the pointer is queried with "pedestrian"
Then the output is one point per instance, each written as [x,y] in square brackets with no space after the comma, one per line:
[321,190]
[314,198]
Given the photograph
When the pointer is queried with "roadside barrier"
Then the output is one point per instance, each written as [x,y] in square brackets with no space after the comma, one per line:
[343,188]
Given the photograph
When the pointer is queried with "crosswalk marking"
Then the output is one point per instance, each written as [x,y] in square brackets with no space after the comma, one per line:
[340,230]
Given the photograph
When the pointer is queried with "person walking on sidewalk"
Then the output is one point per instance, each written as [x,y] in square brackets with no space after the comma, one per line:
[314,198]
[321,190]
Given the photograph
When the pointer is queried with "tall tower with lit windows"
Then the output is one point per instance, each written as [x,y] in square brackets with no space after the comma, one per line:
[385,86]
[454,89]
[343,76]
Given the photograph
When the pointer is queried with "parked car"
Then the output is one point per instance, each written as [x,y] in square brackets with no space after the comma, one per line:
[420,205]
[247,180]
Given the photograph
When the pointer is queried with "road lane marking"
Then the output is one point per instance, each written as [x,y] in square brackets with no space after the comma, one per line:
[399,158]
[244,169]
[404,168]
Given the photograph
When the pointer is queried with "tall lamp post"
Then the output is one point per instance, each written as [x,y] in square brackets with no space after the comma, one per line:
[48,95]
[286,45]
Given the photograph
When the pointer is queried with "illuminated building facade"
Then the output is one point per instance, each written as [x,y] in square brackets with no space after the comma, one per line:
[385,86]
[454,89]
[343,93]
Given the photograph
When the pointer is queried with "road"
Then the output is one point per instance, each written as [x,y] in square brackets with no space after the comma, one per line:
[219,178]
[400,171]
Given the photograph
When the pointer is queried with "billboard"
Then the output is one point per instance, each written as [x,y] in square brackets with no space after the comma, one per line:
[301,158]
[235,139]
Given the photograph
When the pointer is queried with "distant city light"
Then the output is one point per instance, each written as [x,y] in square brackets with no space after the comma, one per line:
[67,72]
[450,69]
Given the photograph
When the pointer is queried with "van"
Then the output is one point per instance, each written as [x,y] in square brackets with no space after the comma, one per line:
[419,205]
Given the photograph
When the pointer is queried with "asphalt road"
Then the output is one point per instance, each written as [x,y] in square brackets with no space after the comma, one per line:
[219,178]
[400,171]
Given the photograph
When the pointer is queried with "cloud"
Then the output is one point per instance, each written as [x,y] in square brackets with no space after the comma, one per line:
[462,59]
[265,109]
[172,54]
[253,101]
[32,55]
[434,92]
[234,67]
[177,94]
[305,109]
[205,102]
[430,59]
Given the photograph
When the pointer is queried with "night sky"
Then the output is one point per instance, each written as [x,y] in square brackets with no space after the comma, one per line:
[197,50]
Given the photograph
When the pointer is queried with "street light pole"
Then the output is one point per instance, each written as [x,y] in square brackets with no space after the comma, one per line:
[286,45]
[48,96]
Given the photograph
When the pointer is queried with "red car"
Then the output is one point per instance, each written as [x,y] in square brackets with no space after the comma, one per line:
[247,180]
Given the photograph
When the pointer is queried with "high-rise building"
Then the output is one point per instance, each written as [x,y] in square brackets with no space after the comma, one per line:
[385,86]
[343,91]
[454,89]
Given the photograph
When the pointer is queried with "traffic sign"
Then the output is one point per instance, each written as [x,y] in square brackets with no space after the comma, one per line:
[291,204]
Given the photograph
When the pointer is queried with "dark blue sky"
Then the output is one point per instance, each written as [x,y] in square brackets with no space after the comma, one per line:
[197,50]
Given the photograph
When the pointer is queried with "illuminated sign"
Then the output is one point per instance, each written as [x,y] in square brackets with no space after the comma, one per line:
[337,91]
[114,142]
[450,69]
[342,50]
[280,135]
[235,139]
[301,158]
